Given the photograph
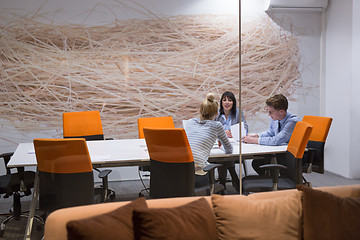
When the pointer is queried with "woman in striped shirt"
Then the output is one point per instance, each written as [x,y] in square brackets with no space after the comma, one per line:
[202,134]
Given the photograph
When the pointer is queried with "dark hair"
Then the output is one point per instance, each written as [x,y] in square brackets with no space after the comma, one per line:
[230,95]
[278,102]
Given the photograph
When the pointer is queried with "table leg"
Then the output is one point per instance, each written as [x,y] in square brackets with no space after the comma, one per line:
[273,159]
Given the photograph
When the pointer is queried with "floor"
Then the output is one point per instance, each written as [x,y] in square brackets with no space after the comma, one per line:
[128,190]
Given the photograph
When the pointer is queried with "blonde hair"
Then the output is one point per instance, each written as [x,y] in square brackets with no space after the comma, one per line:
[209,107]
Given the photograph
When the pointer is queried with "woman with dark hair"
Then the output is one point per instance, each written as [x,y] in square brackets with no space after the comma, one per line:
[228,116]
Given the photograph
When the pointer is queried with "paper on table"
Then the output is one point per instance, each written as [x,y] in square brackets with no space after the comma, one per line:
[31,151]
[100,157]
[235,131]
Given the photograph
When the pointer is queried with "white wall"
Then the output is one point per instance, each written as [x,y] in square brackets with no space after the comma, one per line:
[306,27]
[342,88]
[99,12]
[355,109]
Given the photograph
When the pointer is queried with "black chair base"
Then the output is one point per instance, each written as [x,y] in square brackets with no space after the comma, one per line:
[103,189]
[264,184]
[205,191]
[146,171]
[105,194]
[141,193]
[12,217]
[17,214]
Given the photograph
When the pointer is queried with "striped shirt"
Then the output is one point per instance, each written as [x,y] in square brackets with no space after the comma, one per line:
[202,136]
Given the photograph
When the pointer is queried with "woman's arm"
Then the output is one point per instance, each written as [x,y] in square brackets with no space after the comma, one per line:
[224,139]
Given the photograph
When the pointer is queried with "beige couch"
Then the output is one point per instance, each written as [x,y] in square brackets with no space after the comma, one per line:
[288,214]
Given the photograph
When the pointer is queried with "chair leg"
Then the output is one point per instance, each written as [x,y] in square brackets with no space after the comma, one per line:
[104,189]
[146,189]
[105,186]
[108,192]
[306,182]
[17,205]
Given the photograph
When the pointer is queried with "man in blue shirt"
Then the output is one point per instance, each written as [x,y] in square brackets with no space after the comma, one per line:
[281,127]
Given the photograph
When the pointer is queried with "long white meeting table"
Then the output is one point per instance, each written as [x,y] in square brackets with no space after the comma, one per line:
[129,152]
[133,152]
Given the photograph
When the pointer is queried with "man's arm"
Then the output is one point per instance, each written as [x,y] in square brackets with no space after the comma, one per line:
[281,138]
[254,138]
[270,132]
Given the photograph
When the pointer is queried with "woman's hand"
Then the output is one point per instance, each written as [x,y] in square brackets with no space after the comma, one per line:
[228,133]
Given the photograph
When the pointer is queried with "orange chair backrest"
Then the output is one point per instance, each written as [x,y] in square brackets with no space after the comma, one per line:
[321,127]
[169,145]
[154,122]
[82,124]
[299,139]
[62,155]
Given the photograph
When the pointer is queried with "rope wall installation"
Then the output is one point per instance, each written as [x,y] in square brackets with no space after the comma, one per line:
[137,68]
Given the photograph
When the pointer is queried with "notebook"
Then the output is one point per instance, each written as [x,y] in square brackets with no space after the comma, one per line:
[235,131]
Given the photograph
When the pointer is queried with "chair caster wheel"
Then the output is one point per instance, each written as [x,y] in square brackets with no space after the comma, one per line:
[2,232]
[98,198]
[111,196]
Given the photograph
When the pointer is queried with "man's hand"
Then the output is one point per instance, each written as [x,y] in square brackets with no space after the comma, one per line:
[254,139]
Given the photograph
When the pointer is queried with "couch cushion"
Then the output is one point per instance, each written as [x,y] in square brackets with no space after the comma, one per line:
[116,224]
[194,220]
[327,216]
[241,217]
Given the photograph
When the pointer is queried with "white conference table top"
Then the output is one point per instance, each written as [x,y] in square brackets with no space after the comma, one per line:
[133,152]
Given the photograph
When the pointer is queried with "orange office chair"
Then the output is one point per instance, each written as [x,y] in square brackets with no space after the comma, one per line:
[313,160]
[288,172]
[154,122]
[151,122]
[66,176]
[88,125]
[172,164]
[85,124]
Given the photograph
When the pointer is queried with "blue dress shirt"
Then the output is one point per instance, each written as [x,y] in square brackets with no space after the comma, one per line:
[273,136]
